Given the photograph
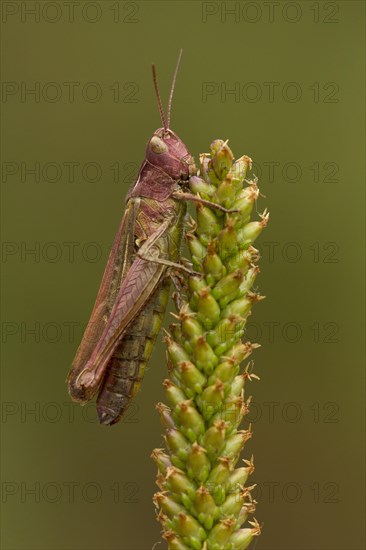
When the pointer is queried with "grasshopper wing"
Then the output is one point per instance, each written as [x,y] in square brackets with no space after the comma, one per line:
[136,289]
[118,264]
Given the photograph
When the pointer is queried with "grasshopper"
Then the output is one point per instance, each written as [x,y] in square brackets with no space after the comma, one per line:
[133,295]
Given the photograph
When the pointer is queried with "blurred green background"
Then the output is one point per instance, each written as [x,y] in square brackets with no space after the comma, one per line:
[296,73]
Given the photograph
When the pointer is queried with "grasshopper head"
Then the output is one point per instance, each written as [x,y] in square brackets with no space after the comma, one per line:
[167,151]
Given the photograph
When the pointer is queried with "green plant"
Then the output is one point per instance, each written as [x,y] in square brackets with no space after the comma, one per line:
[203,502]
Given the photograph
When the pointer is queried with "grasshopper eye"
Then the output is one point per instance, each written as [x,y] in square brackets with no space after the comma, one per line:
[157,145]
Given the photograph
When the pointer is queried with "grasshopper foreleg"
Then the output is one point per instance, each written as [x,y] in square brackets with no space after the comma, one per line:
[162,261]
[151,257]
[150,252]
[195,198]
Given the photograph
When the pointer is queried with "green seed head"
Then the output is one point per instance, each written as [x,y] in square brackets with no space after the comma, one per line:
[211,399]
[214,438]
[235,443]
[240,476]
[225,371]
[204,356]
[174,394]
[190,326]
[248,280]
[228,286]
[204,503]
[251,231]
[228,240]
[221,472]
[167,505]
[208,308]
[238,171]
[226,192]
[233,503]
[165,415]
[198,464]
[189,419]
[212,265]
[196,249]
[188,527]
[161,459]
[192,377]
[179,483]
[240,260]
[199,186]
[177,443]
[222,158]
[174,542]
[208,226]
[204,500]
[220,534]
[176,352]
[241,539]
[244,203]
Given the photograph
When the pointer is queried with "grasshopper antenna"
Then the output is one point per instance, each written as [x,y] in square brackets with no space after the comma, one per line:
[162,115]
[173,85]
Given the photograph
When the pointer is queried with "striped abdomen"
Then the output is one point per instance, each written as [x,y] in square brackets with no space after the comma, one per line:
[126,367]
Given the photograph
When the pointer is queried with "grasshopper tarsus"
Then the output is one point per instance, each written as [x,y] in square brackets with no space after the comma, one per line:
[177,299]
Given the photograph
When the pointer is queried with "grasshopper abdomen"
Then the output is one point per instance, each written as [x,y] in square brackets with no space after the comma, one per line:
[126,368]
